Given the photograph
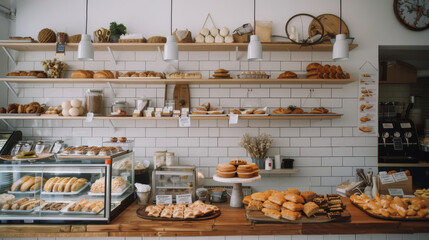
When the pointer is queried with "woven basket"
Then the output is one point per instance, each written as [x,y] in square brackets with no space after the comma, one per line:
[241,38]
[74,39]
[46,35]
[142,40]
[157,39]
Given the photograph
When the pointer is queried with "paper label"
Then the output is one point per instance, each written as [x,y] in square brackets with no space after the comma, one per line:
[60,50]
[184,198]
[184,121]
[405,125]
[386,179]
[400,176]
[233,119]
[396,192]
[164,199]
[89,117]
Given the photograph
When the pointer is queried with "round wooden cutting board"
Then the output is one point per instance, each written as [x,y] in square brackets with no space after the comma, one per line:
[331,24]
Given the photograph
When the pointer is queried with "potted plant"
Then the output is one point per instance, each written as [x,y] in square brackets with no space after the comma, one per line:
[116,30]
[257,147]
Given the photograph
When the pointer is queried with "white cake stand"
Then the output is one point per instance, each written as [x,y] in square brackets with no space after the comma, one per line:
[237,191]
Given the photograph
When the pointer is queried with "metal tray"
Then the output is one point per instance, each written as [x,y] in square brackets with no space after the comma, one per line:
[113,194]
[26,192]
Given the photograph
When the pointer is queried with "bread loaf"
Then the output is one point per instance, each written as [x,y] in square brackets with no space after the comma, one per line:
[69,184]
[16,185]
[78,184]
[27,184]
[82,74]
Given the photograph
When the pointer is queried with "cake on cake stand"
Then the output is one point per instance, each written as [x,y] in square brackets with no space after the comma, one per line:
[237,191]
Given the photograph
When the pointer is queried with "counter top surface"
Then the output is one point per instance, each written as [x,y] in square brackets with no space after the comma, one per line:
[232,221]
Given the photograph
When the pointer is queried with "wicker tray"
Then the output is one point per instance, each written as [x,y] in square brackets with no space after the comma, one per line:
[141,213]
[142,40]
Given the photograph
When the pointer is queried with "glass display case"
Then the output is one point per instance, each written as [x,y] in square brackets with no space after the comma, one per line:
[174,180]
[75,189]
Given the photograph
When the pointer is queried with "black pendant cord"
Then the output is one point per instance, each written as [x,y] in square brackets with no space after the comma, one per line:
[171,17]
[341,15]
[254,16]
[86,18]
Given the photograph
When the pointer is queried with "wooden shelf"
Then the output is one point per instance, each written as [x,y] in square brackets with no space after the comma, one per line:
[276,46]
[420,164]
[180,81]
[56,117]
[278,171]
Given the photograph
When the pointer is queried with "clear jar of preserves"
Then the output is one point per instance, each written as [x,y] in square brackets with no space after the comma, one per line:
[119,108]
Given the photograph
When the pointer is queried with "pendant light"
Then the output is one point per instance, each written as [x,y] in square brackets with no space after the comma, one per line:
[85,50]
[341,45]
[254,50]
[171,50]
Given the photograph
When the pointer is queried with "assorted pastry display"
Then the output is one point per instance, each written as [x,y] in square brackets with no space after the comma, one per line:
[23,204]
[393,207]
[104,74]
[92,151]
[86,205]
[27,183]
[292,204]
[237,168]
[206,109]
[64,184]
[248,111]
[180,211]
[364,107]
[119,184]
[288,75]
[289,110]
[31,108]
[258,75]
[319,71]
[221,74]
[146,74]
[38,74]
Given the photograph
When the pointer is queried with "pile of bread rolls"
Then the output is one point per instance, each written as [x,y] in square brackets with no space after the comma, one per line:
[319,71]
[33,107]
[38,74]
[72,108]
[214,35]
[64,184]
[27,183]
[90,74]
[23,204]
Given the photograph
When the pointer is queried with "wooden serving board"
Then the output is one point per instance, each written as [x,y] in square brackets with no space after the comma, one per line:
[141,213]
[181,96]
[331,25]
[406,219]
[259,217]
[40,156]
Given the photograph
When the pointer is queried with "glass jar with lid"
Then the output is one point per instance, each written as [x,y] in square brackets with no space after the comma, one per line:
[119,108]
[94,101]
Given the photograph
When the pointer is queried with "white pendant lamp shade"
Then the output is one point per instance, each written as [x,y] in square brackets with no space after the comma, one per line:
[171,51]
[85,50]
[341,48]
[254,50]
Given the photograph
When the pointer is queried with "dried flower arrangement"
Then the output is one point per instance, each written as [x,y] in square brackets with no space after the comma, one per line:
[257,147]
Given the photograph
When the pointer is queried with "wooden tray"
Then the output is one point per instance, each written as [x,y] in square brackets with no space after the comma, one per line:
[72,156]
[40,156]
[406,219]
[259,217]
[141,213]
[331,25]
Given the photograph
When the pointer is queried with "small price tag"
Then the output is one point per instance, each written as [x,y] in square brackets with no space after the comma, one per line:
[184,198]
[233,119]
[386,179]
[396,192]
[164,199]
[89,117]
[184,121]
[400,176]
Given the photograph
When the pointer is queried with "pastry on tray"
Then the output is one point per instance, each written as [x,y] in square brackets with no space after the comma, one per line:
[38,74]
[85,205]
[64,184]
[256,75]
[27,183]
[320,110]
[180,211]
[294,204]
[221,73]
[288,75]
[207,109]
[82,74]
[23,204]
[318,71]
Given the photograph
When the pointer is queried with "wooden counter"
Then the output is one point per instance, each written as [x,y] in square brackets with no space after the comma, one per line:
[231,222]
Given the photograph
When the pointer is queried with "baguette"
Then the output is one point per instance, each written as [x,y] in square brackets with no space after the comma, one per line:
[6,206]
[62,184]
[78,184]
[69,184]
[27,203]
[27,184]
[49,186]
[15,186]
[37,183]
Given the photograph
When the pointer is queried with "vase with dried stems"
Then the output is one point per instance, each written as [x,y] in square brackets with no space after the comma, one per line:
[257,147]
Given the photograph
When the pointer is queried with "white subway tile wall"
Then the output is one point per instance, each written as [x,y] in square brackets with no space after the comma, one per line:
[325,151]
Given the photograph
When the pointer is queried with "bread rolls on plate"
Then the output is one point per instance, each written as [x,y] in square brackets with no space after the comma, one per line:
[16,185]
